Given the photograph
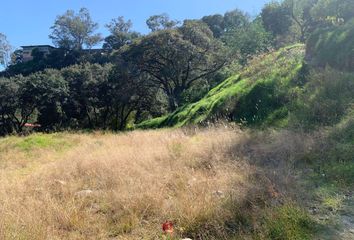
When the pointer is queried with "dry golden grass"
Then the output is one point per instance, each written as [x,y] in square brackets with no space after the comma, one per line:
[137,181]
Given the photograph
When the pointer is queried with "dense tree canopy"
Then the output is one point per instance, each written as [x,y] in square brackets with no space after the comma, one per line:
[176,59]
[235,19]
[291,20]
[276,18]
[216,24]
[249,41]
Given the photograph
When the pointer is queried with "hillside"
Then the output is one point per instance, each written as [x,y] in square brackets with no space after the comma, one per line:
[333,46]
[258,94]
[233,126]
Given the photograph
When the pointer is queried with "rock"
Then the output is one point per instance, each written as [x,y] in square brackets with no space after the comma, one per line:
[219,194]
[84,193]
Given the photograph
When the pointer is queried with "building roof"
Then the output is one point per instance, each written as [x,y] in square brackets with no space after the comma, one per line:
[37,46]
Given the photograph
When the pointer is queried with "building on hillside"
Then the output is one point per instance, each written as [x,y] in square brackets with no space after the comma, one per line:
[27,51]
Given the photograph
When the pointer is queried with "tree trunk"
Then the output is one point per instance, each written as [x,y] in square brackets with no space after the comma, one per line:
[172,103]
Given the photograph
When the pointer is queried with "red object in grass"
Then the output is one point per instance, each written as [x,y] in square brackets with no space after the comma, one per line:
[167,227]
[31,125]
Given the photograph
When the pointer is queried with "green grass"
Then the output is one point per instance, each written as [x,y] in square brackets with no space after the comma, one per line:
[43,141]
[257,94]
[336,157]
[27,144]
[288,222]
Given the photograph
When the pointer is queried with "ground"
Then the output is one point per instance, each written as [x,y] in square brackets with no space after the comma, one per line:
[212,183]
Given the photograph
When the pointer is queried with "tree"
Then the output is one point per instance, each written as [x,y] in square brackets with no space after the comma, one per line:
[160,22]
[5,50]
[300,12]
[232,20]
[74,31]
[53,92]
[129,93]
[276,18]
[8,104]
[176,59]
[249,41]
[235,19]
[20,98]
[87,106]
[216,24]
[120,33]
[333,12]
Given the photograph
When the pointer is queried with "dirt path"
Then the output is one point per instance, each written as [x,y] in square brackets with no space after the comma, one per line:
[347,219]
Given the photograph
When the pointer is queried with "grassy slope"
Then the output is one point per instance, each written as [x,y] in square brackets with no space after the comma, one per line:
[257,94]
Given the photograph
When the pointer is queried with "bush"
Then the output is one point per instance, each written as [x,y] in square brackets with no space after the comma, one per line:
[325,99]
[333,46]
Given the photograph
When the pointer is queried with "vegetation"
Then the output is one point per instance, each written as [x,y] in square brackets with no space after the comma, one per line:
[176,59]
[71,31]
[121,33]
[331,46]
[5,50]
[81,192]
[258,94]
[263,107]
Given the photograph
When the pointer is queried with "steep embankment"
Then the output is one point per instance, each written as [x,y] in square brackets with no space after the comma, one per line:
[258,94]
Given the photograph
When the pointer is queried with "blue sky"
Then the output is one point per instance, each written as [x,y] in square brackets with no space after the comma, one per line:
[28,22]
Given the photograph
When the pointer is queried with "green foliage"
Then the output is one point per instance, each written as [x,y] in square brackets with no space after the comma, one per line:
[333,46]
[332,158]
[235,19]
[229,22]
[73,31]
[42,141]
[160,22]
[9,100]
[57,59]
[333,12]
[121,33]
[324,100]
[176,59]
[216,24]
[289,21]
[248,41]
[276,18]
[288,222]
[30,97]
[87,96]
[267,79]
